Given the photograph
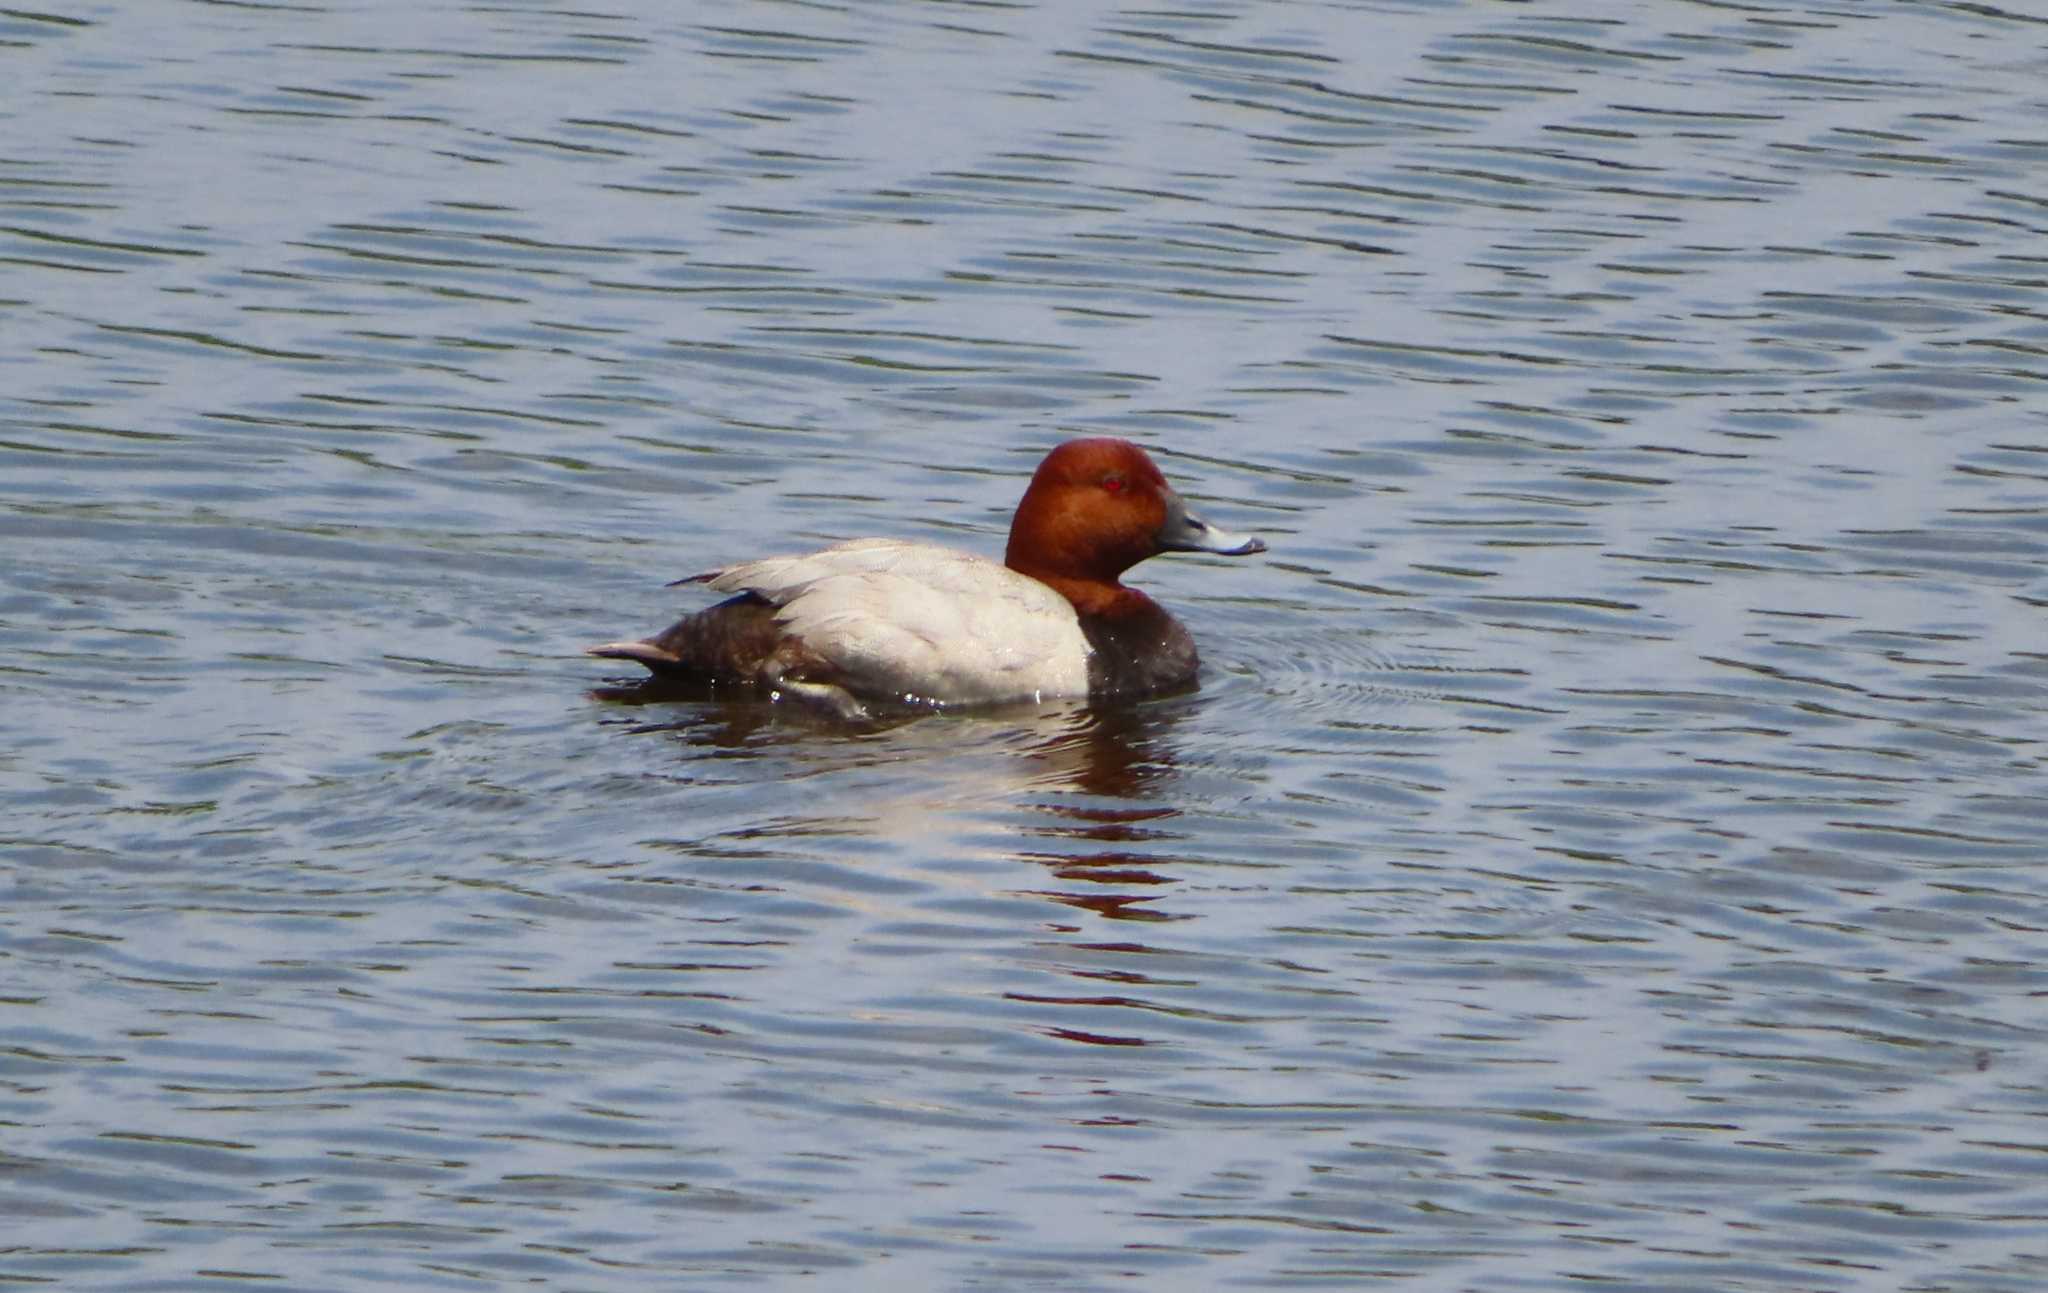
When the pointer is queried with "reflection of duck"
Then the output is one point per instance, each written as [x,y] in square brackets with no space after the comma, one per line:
[1118,754]
[895,622]
[1081,794]
[1115,751]
[1111,751]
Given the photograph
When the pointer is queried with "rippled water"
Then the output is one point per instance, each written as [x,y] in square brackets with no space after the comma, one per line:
[1604,848]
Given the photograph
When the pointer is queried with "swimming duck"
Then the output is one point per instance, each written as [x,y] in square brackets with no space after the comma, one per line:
[893,622]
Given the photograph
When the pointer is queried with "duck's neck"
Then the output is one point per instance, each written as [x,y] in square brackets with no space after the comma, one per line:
[1094,597]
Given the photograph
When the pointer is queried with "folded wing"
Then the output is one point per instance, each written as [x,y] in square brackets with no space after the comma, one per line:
[914,620]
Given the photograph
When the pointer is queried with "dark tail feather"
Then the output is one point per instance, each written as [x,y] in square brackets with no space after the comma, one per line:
[732,640]
[657,659]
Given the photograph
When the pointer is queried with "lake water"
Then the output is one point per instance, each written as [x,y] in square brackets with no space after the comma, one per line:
[1605,849]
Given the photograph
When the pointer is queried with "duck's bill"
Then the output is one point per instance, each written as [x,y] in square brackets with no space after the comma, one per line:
[1186,532]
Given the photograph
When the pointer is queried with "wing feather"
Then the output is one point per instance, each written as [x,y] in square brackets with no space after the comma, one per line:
[900,618]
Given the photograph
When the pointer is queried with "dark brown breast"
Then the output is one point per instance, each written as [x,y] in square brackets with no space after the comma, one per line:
[1139,651]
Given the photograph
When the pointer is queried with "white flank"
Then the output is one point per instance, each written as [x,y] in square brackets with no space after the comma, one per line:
[915,619]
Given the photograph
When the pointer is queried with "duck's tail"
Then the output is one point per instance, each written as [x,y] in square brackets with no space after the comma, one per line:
[657,659]
[733,641]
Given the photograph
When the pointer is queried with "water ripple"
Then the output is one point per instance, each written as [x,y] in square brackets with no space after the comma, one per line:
[1606,824]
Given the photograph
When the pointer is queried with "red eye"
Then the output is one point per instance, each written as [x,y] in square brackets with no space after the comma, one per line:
[1113,484]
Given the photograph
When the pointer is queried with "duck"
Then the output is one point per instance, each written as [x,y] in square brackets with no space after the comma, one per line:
[894,623]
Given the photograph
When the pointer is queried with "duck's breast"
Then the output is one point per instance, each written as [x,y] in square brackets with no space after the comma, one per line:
[892,619]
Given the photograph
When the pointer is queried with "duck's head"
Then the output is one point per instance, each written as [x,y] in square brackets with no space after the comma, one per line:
[1097,507]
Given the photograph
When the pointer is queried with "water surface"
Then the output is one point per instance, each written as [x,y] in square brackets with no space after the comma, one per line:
[1604,846]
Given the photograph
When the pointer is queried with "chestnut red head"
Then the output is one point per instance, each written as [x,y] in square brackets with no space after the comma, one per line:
[1097,507]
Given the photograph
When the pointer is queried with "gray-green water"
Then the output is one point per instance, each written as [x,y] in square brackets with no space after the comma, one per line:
[1605,850]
